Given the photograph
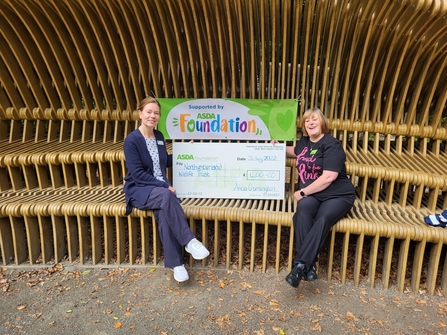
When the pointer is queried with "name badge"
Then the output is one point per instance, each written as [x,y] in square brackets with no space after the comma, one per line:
[160,142]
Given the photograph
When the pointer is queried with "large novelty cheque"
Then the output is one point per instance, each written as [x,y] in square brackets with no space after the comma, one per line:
[229,170]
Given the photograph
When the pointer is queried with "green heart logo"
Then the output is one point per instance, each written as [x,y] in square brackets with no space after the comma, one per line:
[285,120]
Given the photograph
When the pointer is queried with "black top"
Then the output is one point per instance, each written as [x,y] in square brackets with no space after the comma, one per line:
[314,158]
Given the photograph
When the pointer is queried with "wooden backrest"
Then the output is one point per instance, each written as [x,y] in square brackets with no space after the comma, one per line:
[374,62]
[83,126]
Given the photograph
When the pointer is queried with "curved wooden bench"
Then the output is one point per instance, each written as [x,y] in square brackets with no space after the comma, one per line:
[62,149]
[35,224]
[78,222]
[386,79]
[62,165]
[390,206]
[410,165]
[76,182]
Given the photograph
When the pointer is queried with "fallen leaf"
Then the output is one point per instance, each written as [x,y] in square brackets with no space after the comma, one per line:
[421,302]
[317,327]
[117,324]
[349,316]
[21,307]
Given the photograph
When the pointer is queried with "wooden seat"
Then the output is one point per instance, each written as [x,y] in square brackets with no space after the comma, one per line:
[72,72]
[72,191]
[87,222]
[392,223]
[412,168]
[33,225]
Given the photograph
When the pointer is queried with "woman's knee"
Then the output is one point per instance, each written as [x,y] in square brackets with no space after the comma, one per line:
[324,221]
[304,212]
[299,216]
[168,195]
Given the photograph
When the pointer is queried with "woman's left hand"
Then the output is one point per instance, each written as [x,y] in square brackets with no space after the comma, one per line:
[297,195]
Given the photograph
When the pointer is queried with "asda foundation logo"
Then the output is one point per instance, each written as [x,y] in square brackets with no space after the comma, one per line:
[211,119]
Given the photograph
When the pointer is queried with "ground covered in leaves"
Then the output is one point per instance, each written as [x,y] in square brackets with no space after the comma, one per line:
[147,300]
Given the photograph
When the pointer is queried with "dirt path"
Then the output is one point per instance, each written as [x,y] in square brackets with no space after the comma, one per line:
[147,300]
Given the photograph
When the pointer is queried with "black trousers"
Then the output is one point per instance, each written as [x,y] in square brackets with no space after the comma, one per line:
[313,221]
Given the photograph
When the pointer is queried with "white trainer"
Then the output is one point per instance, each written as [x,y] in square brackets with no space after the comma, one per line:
[180,273]
[197,249]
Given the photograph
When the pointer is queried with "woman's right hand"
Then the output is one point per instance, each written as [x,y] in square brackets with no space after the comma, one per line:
[290,150]
[172,190]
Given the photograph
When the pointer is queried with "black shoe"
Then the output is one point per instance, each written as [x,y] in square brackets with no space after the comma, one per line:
[297,273]
[312,273]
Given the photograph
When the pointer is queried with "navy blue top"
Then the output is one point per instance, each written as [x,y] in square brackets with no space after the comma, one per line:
[140,180]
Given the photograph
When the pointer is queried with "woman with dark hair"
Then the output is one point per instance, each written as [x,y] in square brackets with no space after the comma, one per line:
[146,187]
[325,193]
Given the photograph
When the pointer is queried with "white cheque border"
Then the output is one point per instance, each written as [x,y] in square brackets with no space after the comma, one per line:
[229,170]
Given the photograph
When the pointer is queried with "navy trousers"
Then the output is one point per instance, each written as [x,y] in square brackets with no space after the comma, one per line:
[172,224]
[313,221]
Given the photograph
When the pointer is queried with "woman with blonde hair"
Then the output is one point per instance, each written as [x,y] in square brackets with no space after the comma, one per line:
[325,193]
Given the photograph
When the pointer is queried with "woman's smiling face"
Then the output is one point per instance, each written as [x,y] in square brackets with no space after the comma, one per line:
[313,126]
[150,115]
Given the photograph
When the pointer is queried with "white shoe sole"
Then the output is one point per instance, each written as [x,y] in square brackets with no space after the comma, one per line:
[198,258]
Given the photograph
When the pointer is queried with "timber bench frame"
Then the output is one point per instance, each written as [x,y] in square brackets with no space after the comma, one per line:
[61,196]
[377,69]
